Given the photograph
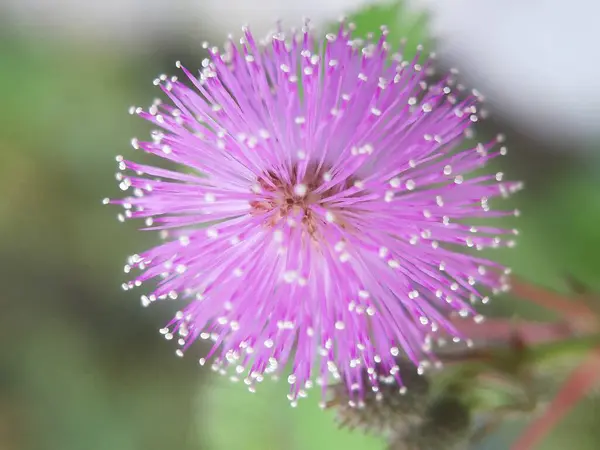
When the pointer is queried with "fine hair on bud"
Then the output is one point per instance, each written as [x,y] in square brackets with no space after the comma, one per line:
[446,425]
[390,405]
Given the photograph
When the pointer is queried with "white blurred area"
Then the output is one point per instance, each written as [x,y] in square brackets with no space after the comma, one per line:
[137,23]
[537,61]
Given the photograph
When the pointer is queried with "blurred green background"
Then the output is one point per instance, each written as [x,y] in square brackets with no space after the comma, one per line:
[82,366]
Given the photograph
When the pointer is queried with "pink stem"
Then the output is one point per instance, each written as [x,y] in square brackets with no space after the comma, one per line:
[554,301]
[581,380]
[529,333]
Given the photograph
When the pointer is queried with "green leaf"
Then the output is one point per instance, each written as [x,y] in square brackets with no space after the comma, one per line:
[402,23]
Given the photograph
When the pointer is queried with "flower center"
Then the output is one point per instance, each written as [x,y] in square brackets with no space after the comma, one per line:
[296,198]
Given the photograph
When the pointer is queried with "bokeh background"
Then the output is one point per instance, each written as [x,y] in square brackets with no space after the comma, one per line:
[82,366]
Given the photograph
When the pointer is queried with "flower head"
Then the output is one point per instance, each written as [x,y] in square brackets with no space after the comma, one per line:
[320,211]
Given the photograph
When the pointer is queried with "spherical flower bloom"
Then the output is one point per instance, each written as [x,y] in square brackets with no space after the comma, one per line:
[319,215]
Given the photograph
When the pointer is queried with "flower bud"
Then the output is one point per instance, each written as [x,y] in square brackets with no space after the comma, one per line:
[392,408]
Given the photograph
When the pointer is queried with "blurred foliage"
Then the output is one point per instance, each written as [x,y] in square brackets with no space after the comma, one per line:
[81,363]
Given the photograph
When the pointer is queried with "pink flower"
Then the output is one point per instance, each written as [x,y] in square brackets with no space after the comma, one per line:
[319,213]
